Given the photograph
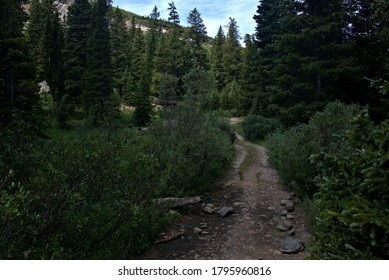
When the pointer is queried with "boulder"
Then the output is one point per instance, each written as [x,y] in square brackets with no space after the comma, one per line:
[292,246]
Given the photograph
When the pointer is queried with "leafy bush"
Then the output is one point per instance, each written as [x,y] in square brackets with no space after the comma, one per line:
[353,197]
[90,194]
[192,150]
[289,151]
[256,127]
[74,197]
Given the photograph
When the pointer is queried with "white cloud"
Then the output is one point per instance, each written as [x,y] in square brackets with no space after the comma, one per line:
[214,13]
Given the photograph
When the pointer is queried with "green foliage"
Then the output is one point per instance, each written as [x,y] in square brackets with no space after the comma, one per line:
[98,101]
[353,221]
[90,194]
[18,99]
[257,127]
[289,151]
[73,197]
[192,150]
[200,87]
[76,49]
[167,89]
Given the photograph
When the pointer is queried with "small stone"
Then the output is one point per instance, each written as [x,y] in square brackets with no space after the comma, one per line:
[208,210]
[271,208]
[281,228]
[268,236]
[289,206]
[204,232]
[203,225]
[283,202]
[210,205]
[292,232]
[197,230]
[224,211]
[239,204]
[289,217]
[284,213]
[288,224]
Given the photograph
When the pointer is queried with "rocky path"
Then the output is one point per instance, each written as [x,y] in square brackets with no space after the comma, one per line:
[266,221]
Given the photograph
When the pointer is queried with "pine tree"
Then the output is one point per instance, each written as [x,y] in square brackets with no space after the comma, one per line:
[197,36]
[172,56]
[76,49]
[143,111]
[120,41]
[231,53]
[98,98]
[35,35]
[217,58]
[18,99]
[174,17]
[155,14]
[268,19]
[137,50]
[249,74]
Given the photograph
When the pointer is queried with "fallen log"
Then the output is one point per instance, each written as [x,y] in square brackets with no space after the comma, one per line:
[171,236]
[174,202]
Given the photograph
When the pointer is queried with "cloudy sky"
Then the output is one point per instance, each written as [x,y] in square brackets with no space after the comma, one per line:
[214,12]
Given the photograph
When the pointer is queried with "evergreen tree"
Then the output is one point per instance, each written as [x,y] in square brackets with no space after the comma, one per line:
[155,14]
[143,111]
[45,38]
[120,41]
[18,99]
[174,17]
[35,34]
[217,57]
[76,49]
[367,26]
[268,19]
[137,50]
[231,53]
[98,94]
[249,74]
[197,36]
[172,57]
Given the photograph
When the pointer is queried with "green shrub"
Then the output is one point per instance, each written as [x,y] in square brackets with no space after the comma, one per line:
[192,150]
[73,197]
[256,127]
[353,197]
[289,151]
[90,193]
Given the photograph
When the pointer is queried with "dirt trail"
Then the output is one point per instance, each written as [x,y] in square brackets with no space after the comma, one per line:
[257,226]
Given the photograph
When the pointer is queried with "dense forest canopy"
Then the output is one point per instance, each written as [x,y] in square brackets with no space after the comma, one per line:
[109,70]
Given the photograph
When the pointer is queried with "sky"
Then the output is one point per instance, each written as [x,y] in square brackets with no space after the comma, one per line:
[214,13]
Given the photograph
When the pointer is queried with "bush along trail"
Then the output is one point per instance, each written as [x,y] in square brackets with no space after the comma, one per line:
[249,214]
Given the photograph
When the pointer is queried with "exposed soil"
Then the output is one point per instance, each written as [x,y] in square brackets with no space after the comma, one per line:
[255,193]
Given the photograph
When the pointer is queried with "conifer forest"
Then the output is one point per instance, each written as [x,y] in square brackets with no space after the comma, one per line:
[103,112]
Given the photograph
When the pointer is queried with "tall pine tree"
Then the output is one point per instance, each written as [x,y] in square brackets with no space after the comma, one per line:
[120,45]
[197,36]
[98,99]
[18,99]
[217,57]
[76,49]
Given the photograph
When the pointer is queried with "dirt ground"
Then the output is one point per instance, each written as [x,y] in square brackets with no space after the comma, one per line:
[255,228]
